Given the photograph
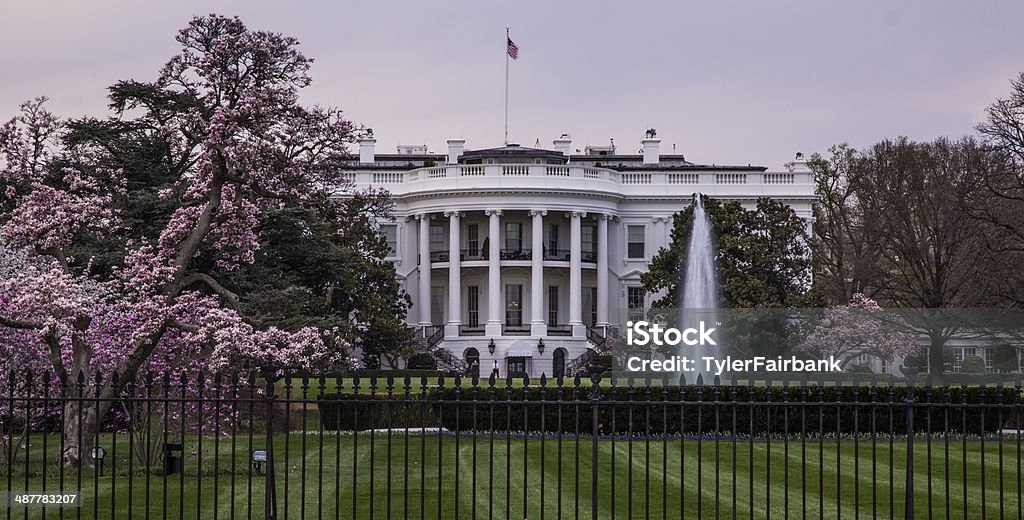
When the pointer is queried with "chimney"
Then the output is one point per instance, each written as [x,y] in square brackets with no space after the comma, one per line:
[455,149]
[564,145]
[366,145]
[799,164]
[651,148]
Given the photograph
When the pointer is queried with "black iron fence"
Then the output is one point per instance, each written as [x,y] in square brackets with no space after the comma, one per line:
[400,446]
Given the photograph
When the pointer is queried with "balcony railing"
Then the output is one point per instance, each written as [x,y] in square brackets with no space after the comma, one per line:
[515,330]
[515,254]
[471,330]
[560,329]
[553,255]
[564,255]
[560,255]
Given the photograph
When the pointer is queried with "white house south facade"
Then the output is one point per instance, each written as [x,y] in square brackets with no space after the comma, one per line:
[518,259]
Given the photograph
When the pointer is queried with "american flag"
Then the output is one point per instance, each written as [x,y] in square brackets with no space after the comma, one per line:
[513,49]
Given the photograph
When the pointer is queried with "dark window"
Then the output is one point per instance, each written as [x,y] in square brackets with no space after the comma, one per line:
[517,366]
[559,362]
[473,239]
[514,305]
[553,305]
[473,304]
[635,242]
[553,239]
[635,303]
[390,232]
[513,236]
[436,238]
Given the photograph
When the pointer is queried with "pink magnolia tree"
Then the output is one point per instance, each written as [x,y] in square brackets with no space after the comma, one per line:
[231,132]
[862,327]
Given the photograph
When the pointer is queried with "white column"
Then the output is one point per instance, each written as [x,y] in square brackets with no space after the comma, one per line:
[454,274]
[602,270]
[424,269]
[576,275]
[493,327]
[537,325]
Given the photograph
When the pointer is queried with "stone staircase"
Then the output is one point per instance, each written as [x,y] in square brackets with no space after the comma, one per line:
[430,340]
[600,341]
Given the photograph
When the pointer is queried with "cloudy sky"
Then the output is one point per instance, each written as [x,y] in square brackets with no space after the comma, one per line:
[723,82]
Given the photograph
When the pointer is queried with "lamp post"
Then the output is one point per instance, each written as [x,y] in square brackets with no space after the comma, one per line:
[490,346]
[540,346]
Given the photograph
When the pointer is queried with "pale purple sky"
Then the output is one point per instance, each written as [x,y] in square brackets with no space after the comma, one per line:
[726,81]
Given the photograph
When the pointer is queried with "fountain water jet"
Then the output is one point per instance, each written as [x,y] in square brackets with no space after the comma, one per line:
[700,286]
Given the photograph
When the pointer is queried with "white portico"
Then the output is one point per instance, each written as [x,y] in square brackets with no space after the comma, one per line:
[519,259]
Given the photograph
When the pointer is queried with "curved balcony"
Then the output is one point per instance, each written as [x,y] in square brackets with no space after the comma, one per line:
[520,254]
[710,180]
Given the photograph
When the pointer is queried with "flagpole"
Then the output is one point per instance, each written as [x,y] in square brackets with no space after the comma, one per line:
[506,85]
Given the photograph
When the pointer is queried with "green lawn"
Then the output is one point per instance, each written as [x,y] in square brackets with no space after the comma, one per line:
[338,466]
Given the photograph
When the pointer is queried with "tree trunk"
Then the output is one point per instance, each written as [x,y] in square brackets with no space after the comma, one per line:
[936,365]
[81,425]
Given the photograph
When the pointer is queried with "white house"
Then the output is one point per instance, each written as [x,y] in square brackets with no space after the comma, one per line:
[517,259]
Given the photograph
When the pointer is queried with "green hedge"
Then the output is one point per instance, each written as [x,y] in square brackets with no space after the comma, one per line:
[675,410]
[362,412]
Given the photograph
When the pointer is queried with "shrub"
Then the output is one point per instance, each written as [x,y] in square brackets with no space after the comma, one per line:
[674,410]
[973,365]
[421,361]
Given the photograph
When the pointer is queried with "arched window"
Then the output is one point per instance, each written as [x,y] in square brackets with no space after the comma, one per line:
[472,357]
[559,363]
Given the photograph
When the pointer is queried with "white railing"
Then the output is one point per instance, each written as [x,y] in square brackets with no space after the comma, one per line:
[779,178]
[636,178]
[730,178]
[553,175]
[515,169]
[683,178]
[388,177]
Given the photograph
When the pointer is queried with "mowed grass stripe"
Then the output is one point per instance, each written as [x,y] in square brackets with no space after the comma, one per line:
[439,452]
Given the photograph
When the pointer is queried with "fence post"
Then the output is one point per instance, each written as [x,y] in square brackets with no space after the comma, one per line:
[270,488]
[595,397]
[909,491]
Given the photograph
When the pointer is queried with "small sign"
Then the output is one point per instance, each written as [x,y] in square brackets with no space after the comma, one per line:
[98,453]
[259,456]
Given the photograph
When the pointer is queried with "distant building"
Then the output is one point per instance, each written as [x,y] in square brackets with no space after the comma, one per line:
[534,253]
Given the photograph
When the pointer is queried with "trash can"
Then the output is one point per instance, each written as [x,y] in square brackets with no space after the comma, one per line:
[173,458]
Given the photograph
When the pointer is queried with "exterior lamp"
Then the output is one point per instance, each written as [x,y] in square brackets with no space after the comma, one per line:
[540,346]
[490,346]
[259,457]
[97,455]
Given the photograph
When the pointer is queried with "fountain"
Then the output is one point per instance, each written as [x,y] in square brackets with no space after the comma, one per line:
[699,286]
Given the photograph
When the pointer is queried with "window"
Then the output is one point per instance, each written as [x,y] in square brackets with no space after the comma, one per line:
[514,305]
[513,236]
[590,293]
[436,238]
[473,305]
[886,366]
[635,241]
[635,303]
[588,240]
[473,239]
[989,353]
[552,305]
[437,305]
[553,239]
[517,366]
[390,232]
